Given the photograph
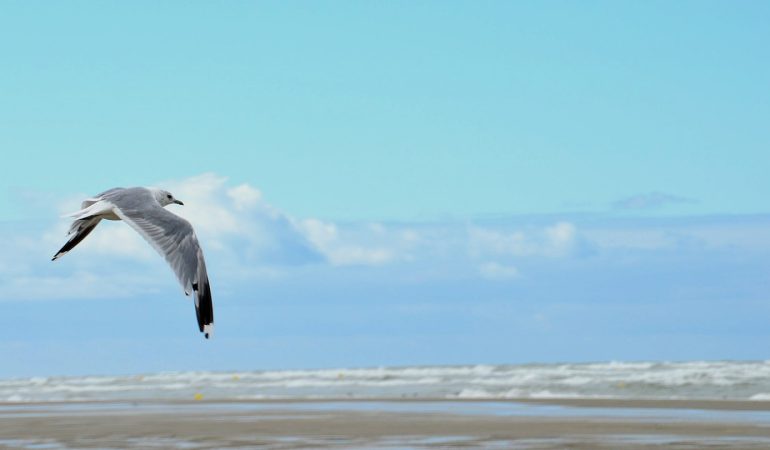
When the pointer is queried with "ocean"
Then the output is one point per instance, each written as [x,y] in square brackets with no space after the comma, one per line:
[693,380]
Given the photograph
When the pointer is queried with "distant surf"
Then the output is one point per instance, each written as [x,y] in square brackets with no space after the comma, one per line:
[723,380]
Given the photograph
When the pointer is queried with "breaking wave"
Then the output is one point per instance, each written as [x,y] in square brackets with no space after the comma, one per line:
[681,380]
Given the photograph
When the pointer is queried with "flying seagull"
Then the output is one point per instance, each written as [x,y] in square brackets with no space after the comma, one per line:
[172,236]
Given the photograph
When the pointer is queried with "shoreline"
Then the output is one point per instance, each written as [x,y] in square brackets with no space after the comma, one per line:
[697,404]
[387,423]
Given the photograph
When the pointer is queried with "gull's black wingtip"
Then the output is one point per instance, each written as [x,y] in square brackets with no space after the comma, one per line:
[204,309]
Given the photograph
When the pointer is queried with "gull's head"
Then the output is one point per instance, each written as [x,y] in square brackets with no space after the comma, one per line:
[165,197]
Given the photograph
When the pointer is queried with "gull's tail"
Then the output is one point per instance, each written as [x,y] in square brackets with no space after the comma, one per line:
[78,231]
[204,309]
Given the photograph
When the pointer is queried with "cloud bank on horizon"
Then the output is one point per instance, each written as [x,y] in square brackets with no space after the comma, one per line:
[247,238]
[310,292]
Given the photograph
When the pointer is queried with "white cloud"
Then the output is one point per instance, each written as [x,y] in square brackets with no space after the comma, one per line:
[497,271]
[207,204]
[340,252]
[244,196]
[322,235]
[560,239]
[554,241]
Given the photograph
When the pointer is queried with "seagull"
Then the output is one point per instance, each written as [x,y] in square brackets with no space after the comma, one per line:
[172,236]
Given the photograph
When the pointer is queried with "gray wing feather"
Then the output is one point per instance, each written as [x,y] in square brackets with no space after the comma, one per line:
[91,201]
[172,236]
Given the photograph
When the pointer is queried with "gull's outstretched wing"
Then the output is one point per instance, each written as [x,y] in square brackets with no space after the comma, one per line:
[173,237]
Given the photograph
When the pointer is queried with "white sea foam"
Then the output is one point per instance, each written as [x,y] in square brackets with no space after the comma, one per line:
[548,394]
[473,393]
[688,380]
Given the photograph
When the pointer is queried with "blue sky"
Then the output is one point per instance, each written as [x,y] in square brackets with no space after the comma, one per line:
[390,183]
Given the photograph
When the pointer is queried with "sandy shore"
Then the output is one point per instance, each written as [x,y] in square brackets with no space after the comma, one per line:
[540,424]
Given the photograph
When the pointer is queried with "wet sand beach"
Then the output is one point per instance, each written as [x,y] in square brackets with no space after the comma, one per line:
[418,424]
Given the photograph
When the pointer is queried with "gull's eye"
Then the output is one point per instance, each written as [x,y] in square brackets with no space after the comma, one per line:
[168,196]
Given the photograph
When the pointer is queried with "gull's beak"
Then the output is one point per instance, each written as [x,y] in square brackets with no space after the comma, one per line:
[178,202]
